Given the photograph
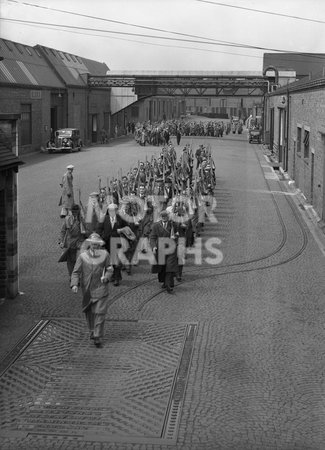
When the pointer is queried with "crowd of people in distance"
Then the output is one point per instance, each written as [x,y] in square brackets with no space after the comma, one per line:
[159,133]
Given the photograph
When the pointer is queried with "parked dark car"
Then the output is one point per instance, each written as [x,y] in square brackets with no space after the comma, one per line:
[65,140]
[254,136]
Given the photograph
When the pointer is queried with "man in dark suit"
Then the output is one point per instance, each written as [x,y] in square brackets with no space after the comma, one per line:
[108,230]
[162,233]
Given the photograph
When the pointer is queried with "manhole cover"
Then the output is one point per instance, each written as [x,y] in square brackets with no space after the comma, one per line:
[57,383]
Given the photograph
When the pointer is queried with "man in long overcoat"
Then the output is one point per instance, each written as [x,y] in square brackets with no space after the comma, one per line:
[92,271]
[162,235]
[67,198]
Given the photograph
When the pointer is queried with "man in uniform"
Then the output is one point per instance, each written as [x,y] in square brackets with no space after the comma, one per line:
[67,198]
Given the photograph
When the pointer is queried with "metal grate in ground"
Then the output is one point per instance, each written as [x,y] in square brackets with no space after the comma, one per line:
[57,383]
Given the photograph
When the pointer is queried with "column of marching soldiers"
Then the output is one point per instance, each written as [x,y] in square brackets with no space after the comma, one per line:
[125,208]
[158,133]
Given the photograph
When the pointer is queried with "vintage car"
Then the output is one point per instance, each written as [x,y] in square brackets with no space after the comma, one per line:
[254,135]
[65,140]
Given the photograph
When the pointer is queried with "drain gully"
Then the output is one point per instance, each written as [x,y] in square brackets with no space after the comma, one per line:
[170,429]
[21,346]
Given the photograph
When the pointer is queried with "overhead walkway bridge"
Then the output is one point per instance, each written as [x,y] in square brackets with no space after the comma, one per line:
[184,83]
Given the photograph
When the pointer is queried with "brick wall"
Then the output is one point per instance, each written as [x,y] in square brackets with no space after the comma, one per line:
[308,111]
[3,252]
[11,99]
[74,108]
[8,235]
[11,233]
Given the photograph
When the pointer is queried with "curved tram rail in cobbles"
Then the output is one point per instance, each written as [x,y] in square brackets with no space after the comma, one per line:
[229,269]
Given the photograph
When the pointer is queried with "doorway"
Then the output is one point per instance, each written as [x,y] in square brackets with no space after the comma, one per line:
[94,128]
[312,169]
[54,120]
[271,129]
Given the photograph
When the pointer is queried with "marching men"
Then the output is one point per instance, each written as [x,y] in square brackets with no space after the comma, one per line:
[132,212]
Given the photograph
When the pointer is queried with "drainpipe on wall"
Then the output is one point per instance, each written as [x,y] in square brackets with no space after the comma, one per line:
[87,116]
[287,129]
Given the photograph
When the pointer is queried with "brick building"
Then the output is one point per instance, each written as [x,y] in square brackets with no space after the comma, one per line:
[48,88]
[77,105]
[295,119]
[40,89]
[9,164]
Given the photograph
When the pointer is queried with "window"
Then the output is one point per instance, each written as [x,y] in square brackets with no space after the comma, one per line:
[298,139]
[67,56]
[26,124]
[28,50]
[73,58]
[306,144]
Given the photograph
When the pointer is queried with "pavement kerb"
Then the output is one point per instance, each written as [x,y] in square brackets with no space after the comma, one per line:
[306,209]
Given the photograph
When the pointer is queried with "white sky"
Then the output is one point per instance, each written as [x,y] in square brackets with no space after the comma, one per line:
[192,17]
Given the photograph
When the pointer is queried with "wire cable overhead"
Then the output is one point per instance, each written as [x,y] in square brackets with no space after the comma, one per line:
[288,16]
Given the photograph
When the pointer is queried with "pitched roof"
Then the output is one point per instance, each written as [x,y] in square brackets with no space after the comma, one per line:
[44,67]
[70,68]
[24,65]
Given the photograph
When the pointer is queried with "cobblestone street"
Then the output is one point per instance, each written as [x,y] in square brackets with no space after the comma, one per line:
[232,360]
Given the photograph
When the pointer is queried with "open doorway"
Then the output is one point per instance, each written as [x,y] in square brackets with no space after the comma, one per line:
[94,128]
